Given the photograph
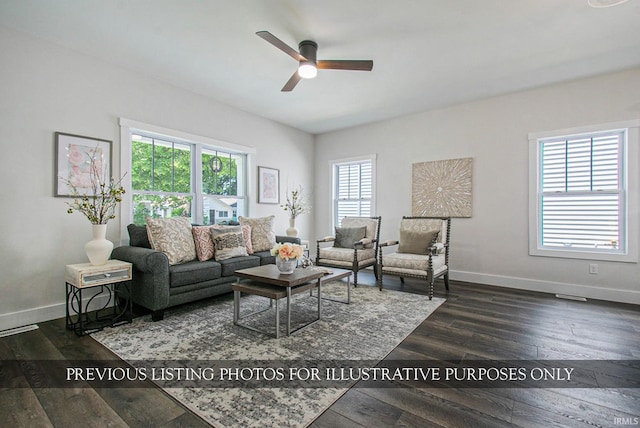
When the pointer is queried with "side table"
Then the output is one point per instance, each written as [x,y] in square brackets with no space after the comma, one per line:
[106,281]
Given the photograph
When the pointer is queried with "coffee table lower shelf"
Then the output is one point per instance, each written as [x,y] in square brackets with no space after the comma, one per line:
[272,292]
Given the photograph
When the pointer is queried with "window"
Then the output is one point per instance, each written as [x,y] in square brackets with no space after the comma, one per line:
[223,178]
[160,178]
[182,175]
[353,188]
[581,195]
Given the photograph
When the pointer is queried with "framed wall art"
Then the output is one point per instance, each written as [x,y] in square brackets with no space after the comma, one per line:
[268,185]
[76,156]
[442,188]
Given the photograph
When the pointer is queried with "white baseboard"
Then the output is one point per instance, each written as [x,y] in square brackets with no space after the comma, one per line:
[590,292]
[41,314]
[46,313]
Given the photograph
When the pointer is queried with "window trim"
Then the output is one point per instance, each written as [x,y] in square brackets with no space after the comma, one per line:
[631,182]
[129,127]
[356,159]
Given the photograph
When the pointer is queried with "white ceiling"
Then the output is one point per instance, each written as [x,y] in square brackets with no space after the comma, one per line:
[427,53]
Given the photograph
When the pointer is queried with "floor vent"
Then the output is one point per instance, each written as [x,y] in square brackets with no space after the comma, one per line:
[18,330]
[566,297]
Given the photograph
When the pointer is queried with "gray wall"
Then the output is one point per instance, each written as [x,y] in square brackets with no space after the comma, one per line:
[491,247]
[44,89]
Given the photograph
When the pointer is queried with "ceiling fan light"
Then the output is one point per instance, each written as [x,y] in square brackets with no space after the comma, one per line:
[307,70]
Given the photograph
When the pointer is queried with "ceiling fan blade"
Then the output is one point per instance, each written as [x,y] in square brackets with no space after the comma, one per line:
[281,45]
[345,64]
[293,81]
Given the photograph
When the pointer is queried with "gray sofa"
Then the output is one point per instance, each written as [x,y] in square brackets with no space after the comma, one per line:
[156,285]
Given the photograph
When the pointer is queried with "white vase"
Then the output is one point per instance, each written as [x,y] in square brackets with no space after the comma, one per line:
[99,248]
[286,266]
[292,230]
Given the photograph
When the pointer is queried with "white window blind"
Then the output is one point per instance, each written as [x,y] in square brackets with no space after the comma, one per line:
[353,191]
[581,193]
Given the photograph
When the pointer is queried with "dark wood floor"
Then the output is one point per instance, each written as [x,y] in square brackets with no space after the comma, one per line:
[475,321]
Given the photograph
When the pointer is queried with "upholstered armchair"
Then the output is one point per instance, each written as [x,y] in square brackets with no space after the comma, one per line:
[355,246]
[422,252]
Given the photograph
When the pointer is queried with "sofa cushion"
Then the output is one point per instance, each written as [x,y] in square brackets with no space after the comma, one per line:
[173,237]
[228,242]
[346,236]
[138,236]
[193,272]
[265,258]
[417,242]
[263,232]
[203,242]
[229,266]
[246,234]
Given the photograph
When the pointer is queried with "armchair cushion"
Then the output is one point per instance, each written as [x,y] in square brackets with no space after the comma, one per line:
[371,225]
[347,236]
[330,254]
[416,242]
[409,263]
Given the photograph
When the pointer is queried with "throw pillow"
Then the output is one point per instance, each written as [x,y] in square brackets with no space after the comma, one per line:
[228,242]
[173,237]
[370,223]
[203,242]
[416,242]
[346,236]
[138,236]
[246,234]
[263,232]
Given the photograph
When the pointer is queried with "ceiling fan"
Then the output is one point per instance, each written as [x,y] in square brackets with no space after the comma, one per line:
[309,64]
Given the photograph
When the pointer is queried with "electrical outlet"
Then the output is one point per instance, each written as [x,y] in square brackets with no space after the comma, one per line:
[593,268]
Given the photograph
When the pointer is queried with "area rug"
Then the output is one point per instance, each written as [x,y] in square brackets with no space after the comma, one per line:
[367,329]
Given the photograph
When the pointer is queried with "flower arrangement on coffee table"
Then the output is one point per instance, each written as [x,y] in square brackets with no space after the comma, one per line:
[287,256]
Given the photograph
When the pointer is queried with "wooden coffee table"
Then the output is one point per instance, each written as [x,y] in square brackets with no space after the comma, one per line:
[332,275]
[267,281]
